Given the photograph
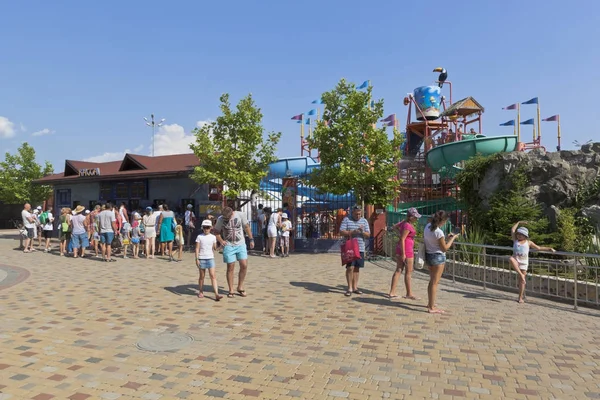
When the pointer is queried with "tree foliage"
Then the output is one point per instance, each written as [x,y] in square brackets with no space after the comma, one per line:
[17,173]
[355,154]
[233,150]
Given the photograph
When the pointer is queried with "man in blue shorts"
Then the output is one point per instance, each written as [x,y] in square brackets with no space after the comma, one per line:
[357,227]
[229,230]
[108,229]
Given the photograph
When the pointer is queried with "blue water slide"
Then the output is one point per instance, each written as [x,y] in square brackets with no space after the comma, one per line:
[301,167]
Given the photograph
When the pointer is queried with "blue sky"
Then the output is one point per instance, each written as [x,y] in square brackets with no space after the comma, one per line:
[88,72]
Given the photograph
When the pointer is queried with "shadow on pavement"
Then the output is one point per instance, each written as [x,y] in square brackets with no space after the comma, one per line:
[183,290]
[477,295]
[317,287]
[386,302]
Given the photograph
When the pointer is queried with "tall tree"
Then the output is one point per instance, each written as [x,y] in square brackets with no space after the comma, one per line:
[355,154]
[17,173]
[233,150]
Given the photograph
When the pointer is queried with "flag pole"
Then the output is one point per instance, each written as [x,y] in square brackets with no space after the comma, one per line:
[518,122]
[539,134]
[558,121]
[534,132]
[302,135]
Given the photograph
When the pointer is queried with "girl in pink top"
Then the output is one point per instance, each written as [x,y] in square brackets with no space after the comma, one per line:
[405,254]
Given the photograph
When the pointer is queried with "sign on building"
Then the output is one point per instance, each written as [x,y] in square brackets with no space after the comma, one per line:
[89,172]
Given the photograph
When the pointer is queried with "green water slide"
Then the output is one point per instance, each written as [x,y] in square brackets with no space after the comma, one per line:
[445,156]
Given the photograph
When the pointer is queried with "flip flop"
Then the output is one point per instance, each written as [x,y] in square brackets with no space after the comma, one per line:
[348,293]
[411,297]
[242,293]
[230,295]
[218,298]
[392,297]
[357,292]
[200,295]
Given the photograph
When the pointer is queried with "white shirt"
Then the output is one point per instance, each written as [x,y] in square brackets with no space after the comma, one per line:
[286,226]
[273,219]
[189,217]
[48,226]
[206,246]
[432,240]
[26,223]
[521,253]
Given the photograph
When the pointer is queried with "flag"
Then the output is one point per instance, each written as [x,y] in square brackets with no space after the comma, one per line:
[552,118]
[372,103]
[312,112]
[319,101]
[297,117]
[528,122]
[511,107]
[509,123]
[531,101]
[389,118]
[364,85]
[390,123]
[307,121]
[299,121]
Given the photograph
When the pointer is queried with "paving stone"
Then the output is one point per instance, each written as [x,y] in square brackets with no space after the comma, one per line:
[294,336]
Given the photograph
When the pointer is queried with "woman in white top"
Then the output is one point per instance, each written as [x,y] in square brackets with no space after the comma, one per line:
[149,221]
[520,257]
[436,247]
[274,224]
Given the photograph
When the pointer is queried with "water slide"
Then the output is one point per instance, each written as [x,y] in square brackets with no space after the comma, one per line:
[446,155]
[301,167]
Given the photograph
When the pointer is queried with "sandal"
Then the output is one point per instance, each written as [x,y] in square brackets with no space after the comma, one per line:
[242,293]
[230,295]
[411,297]
[348,293]
[358,292]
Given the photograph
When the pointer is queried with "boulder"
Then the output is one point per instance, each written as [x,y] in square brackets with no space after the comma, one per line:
[592,213]
[554,177]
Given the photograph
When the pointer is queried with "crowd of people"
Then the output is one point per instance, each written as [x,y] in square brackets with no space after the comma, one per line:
[109,229]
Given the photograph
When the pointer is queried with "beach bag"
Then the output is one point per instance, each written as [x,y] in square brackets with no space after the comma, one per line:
[421,256]
[116,243]
[44,218]
[135,240]
[350,251]
[126,241]
[64,226]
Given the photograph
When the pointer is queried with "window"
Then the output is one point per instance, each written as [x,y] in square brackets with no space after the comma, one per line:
[105,191]
[63,197]
[138,190]
[122,190]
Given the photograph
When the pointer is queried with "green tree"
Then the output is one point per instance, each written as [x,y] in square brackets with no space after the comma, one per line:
[355,154]
[233,149]
[17,173]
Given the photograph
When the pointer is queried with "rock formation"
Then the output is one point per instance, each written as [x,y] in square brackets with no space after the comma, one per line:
[555,177]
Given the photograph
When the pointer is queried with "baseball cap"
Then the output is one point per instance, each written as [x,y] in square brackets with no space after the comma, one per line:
[284,215]
[189,206]
[412,212]
[523,231]
[148,208]
[39,207]
[357,207]
[207,222]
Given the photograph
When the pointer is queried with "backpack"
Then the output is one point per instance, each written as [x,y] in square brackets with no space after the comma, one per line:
[44,218]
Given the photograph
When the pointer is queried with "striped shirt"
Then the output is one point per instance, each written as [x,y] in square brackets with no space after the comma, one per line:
[349,224]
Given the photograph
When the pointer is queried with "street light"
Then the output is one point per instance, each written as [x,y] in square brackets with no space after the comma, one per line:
[153,124]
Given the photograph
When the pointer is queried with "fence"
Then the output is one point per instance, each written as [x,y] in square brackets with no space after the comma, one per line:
[566,276]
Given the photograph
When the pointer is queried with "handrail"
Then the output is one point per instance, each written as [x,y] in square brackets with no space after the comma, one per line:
[506,248]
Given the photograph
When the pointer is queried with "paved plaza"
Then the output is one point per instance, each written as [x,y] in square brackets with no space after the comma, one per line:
[75,329]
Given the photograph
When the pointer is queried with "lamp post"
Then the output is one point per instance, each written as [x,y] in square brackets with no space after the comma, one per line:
[153,124]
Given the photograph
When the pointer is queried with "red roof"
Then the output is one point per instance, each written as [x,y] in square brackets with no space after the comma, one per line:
[132,166]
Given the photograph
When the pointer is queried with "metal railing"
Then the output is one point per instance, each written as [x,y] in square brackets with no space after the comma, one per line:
[572,277]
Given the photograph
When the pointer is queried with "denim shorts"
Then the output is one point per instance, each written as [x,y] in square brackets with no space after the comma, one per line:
[80,240]
[232,254]
[206,264]
[434,259]
[360,263]
[107,237]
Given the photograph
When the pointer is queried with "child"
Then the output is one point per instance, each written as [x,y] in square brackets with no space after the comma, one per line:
[286,227]
[520,257]
[179,239]
[206,244]
[126,232]
[135,235]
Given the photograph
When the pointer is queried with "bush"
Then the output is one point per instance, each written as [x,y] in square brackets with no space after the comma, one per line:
[472,254]
[566,234]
